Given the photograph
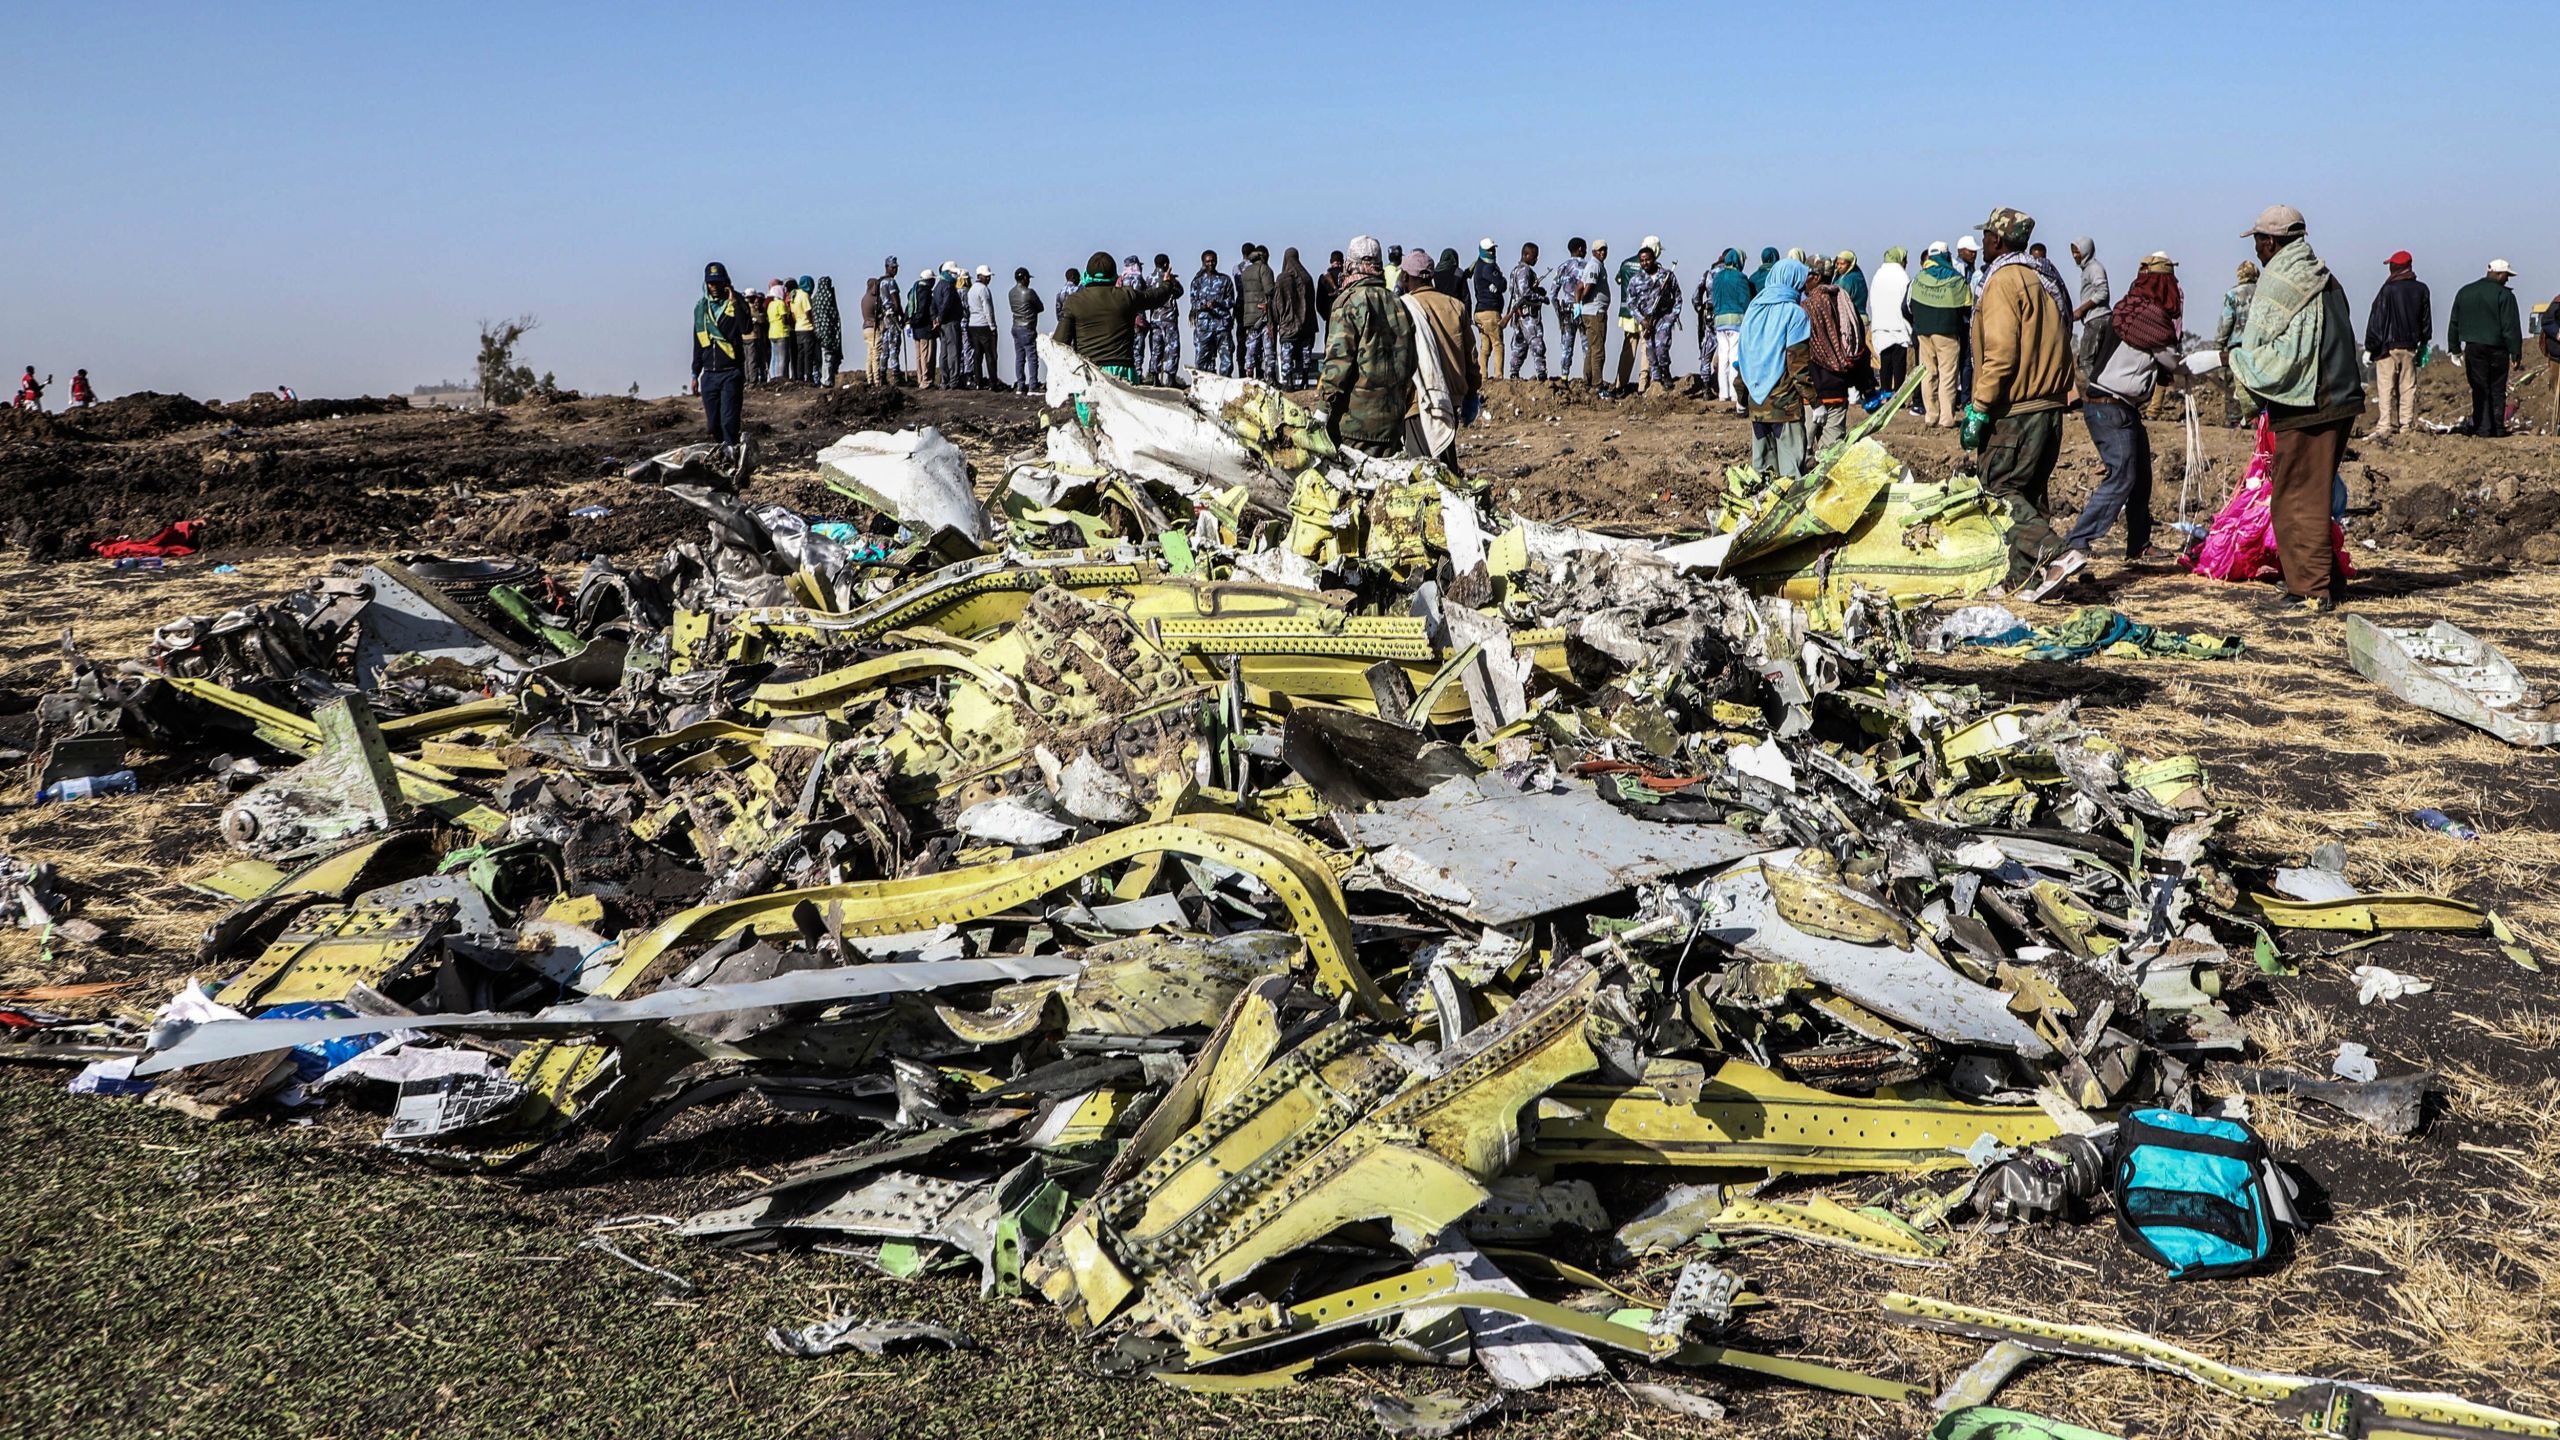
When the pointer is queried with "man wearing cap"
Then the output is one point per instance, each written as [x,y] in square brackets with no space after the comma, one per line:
[1653,298]
[2022,373]
[1968,260]
[2297,354]
[1213,318]
[1488,288]
[2403,319]
[880,337]
[1366,388]
[719,353]
[2487,336]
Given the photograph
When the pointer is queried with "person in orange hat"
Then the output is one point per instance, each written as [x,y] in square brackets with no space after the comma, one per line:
[2402,323]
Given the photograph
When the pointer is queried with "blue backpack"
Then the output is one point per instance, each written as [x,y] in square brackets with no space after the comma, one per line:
[2198,1195]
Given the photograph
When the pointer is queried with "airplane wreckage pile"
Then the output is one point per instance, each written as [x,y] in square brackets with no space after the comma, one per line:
[1246,893]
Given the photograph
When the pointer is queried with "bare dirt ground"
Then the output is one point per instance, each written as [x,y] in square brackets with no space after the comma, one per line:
[263,1278]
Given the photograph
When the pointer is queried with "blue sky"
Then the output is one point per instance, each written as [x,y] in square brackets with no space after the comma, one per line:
[219,198]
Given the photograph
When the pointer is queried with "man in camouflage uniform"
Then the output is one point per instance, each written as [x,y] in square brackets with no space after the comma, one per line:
[1367,384]
[1653,301]
[1160,361]
[1527,322]
[1565,285]
[1213,318]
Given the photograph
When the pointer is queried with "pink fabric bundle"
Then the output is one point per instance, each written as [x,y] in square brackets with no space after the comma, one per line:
[2241,543]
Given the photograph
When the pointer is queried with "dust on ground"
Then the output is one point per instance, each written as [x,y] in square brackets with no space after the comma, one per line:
[262,1278]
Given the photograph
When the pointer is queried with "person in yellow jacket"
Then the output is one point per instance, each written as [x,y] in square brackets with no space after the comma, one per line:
[804,333]
[777,330]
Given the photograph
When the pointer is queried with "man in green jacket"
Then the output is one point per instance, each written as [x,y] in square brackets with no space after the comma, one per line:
[2487,336]
[1099,321]
[2297,355]
[1367,383]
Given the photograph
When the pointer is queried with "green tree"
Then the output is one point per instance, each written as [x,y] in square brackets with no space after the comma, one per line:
[502,380]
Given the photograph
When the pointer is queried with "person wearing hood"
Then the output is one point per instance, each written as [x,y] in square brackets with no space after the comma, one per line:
[2135,349]
[1448,385]
[2297,355]
[1100,320]
[1525,320]
[1328,286]
[1653,298]
[2238,406]
[826,324]
[2402,321]
[1023,306]
[1366,388]
[777,332]
[1213,318]
[1838,347]
[1564,287]
[884,326]
[721,339]
[1293,320]
[1774,368]
[2095,293]
[1160,361]
[1768,261]
[1941,313]
[1489,288]
[2487,335]
[2021,378]
[1254,331]
[1889,321]
[1851,280]
[1729,293]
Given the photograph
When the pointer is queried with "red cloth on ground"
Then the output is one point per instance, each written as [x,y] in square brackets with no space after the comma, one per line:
[176,539]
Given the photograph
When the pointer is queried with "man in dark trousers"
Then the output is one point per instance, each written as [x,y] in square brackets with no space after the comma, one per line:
[720,348]
[2487,336]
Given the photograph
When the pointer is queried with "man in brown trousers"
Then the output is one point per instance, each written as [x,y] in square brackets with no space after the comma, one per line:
[2297,354]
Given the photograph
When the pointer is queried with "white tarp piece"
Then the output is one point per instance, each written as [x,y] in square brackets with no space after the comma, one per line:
[915,475]
[177,1044]
[1154,434]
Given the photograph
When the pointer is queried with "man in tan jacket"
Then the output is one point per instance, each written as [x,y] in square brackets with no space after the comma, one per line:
[1447,380]
[2021,377]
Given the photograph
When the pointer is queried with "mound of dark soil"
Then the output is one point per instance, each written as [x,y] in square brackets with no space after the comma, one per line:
[264,408]
[138,416]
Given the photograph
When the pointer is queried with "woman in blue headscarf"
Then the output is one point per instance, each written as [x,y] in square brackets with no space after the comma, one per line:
[1776,370]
